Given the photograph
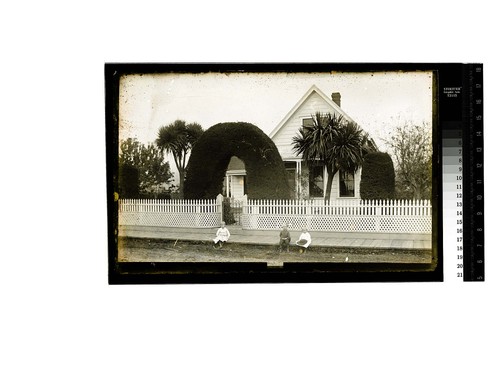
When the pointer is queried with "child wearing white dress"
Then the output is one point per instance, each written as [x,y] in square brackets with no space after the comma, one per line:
[222,235]
[304,239]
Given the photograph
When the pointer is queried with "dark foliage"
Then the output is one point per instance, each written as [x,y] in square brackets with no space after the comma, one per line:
[178,138]
[411,145]
[266,174]
[128,182]
[227,211]
[153,170]
[377,177]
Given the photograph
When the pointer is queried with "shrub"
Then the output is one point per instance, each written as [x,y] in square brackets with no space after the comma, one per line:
[377,177]
[266,174]
[227,212]
[128,182]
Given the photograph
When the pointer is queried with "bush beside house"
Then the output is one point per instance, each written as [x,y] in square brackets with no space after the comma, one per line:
[128,182]
[377,177]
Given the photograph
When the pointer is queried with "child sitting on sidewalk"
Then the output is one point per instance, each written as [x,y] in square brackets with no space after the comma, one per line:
[222,235]
[304,240]
[285,239]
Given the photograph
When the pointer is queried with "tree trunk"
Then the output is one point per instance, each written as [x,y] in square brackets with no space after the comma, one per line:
[182,174]
[331,173]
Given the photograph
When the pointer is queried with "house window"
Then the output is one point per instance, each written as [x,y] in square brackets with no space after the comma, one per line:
[346,182]
[290,167]
[316,181]
[307,122]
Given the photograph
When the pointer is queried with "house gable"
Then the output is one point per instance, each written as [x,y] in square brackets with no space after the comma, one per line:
[314,100]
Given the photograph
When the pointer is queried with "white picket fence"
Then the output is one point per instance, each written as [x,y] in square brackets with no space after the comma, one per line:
[202,213]
[338,216]
[383,216]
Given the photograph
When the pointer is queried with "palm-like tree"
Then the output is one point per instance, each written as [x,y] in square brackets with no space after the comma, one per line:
[340,144]
[178,139]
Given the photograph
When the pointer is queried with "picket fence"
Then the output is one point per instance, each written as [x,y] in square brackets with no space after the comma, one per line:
[384,216]
[185,213]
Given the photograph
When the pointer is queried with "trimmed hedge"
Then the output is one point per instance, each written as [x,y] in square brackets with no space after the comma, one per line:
[266,174]
[377,177]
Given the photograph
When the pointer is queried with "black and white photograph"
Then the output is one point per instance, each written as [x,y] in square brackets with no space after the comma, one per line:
[220,187]
[234,165]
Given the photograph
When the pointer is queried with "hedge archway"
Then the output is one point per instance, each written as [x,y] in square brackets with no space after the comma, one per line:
[266,174]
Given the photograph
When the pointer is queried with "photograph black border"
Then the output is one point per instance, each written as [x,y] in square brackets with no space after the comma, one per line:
[445,74]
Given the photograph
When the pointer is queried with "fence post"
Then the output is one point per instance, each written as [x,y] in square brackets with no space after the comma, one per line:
[255,212]
[309,213]
[197,209]
[244,212]
[378,212]
[220,199]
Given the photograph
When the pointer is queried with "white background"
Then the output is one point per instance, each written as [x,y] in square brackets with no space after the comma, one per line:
[58,314]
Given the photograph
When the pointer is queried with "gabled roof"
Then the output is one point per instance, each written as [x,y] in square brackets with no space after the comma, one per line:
[309,92]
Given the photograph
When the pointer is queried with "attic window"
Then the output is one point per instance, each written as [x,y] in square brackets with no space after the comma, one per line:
[307,121]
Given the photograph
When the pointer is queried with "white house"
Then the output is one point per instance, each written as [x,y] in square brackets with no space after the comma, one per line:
[305,182]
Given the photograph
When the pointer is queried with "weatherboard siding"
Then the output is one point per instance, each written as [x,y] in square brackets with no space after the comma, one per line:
[283,138]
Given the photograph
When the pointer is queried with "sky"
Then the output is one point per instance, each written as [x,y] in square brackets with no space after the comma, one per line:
[377,101]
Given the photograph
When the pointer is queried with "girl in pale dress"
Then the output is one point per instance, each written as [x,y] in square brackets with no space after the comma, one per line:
[304,240]
[222,235]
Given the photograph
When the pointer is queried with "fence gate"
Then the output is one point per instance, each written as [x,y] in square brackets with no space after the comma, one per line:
[233,209]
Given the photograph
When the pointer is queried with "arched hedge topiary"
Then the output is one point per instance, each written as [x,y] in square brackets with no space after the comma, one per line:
[377,177]
[266,174]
